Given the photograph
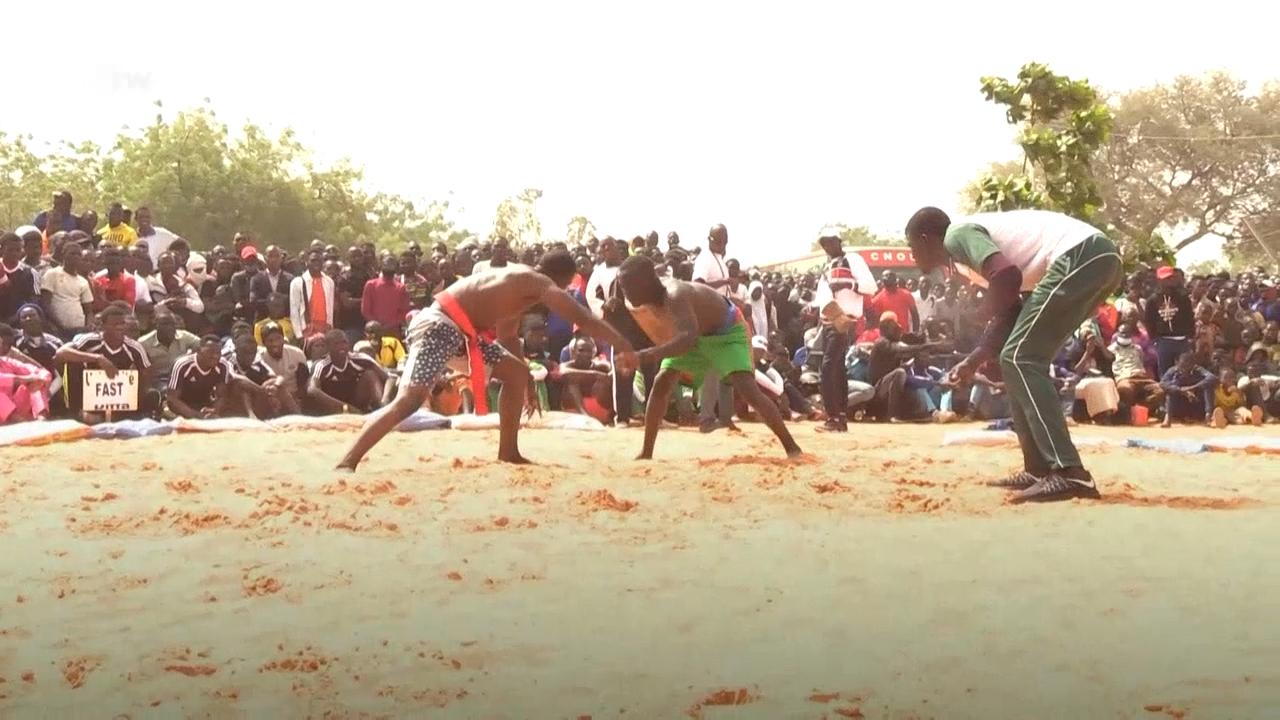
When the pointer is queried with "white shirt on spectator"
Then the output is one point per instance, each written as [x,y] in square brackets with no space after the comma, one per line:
[141,291]
[70,293]
[158,243]
[709,268]
[300,305]
[600,288]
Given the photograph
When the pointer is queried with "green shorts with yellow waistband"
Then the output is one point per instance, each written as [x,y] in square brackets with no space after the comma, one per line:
[726,353]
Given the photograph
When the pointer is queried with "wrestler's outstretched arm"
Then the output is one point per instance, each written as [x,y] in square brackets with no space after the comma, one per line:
[563,304]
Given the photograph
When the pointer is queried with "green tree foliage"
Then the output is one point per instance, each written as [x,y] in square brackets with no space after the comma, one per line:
[579,230]
[1062,123]
[860,236]
[205,183]
[1196,157]
[516,218]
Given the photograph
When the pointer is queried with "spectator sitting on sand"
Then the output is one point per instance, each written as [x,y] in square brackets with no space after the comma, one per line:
[264,396]
[1229,403]
[288,362]
[165,345]
[585,379]
[1134,384]
[344,382]
[1261,386]
[108,349]
[198,386]
[277,311]
[1188,392]
[24,387]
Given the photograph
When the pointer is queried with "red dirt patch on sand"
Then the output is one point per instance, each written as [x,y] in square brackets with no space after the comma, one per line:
[821,697]
[805,459]
[28,677]
[454,575]
[605,500]
[76,670]
[1177,502]
[740,696]
[835,486]
[303,661]
[191,670]
[909,502]
[850,712]
[1174,712]
[182,487]
[261,585]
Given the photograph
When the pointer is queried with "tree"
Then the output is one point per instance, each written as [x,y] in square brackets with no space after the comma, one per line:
[579,230]
[1192,158]
[860,236]
[516,218]
[1062,124]
[206,183]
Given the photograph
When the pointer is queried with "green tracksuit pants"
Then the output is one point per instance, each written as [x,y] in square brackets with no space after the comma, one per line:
[1065,297]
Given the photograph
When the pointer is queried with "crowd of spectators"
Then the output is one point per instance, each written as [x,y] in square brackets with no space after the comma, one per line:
[248,329]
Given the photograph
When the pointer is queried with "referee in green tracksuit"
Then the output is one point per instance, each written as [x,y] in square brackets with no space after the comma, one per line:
[1064,268]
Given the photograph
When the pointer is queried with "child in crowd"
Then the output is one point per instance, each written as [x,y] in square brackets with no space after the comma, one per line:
[1188,391]
[278,313]
[1230,404]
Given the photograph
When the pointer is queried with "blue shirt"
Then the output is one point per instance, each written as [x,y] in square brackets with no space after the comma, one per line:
[69,223]
[558,326]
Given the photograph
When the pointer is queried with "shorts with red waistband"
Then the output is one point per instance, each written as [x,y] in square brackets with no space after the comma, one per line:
[433,341]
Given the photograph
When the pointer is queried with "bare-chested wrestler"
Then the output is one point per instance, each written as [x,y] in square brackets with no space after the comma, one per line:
[495,299]
[694,329]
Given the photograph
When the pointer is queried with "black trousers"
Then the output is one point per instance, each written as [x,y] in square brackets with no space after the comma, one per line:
[835,379]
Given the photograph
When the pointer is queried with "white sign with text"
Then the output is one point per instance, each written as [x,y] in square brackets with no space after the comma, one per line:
[118,393]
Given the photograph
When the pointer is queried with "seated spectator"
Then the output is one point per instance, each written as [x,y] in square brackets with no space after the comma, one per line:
[113,284]
[165,345]
[24,387]
[1188,392]
[34,342]
[1261,387]
[885,372]
[18,283]
[343,382]
[238,328]
[175,294]
[288,362]
[108,349]
[1271,339]
[251,265]
[1133,382]
[66,295]
[387,348]
[1088,361]
[263,395]
[1229,403]
[988,399]
[585,380]
[198,385]
[277,313]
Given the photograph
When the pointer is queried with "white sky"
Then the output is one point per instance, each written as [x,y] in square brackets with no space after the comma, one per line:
[774,119]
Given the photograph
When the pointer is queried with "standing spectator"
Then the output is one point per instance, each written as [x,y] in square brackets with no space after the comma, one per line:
[33,256]
[158,239]
[1188,391]
[18,285]
[59,217]
[846,281]
[108,349]
[165,345]
[250,265]
[350,286]
[1170,319]
[198,385]
[275,279]
[763,318]
[710,269]
[66,295]
[1133,382]
[384,299]
[420,287]
[113,284]
[896,300]
[283,359]
[1133,300]
[344,382]
[501,257]
[117,231]
[89,225]
[311,299]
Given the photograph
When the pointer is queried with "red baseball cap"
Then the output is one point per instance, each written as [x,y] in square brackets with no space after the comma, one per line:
[248,251]
[1165,272]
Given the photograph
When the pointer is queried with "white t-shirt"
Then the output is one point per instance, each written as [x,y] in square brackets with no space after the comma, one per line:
[710,267]
[1030,239]
[70,294]
[287,366]
[599,287]
[158,243]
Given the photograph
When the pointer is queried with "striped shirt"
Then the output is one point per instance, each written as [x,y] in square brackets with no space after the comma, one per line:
[195,385]
[339,380]
[130,355]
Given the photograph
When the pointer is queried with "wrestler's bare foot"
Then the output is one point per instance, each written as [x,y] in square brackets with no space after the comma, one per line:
[345,468]
[514,459]
[795,453]
[645,456]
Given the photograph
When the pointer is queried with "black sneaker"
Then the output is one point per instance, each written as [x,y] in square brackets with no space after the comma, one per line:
[1017,481]
[833,426]
[1055,487]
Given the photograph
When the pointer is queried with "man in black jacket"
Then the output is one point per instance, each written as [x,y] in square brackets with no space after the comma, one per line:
[265,284]
[1170,318]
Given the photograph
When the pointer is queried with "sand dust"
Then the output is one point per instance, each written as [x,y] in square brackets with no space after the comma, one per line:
[197,576]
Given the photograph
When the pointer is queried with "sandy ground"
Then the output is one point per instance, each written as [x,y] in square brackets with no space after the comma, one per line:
[234,575]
